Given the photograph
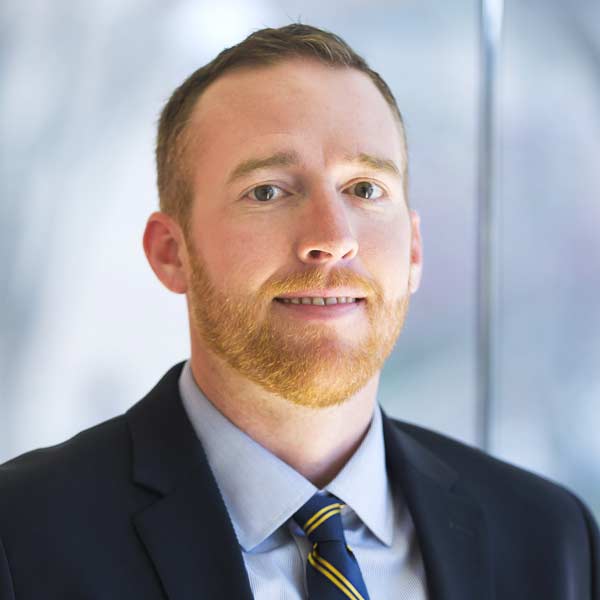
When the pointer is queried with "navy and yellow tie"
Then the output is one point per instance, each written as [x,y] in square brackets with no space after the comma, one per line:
[332,572]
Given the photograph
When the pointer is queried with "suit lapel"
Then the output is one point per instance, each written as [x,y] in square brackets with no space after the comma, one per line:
[450,526]
[186,531]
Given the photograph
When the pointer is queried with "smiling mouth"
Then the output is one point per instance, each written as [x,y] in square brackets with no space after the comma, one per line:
[319,301]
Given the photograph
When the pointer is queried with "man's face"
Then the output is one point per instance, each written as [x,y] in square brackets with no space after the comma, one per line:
[317,219]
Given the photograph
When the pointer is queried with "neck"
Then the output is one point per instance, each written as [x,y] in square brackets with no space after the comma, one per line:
[284,428]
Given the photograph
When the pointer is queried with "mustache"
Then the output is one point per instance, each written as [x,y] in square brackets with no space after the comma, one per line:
[317,278]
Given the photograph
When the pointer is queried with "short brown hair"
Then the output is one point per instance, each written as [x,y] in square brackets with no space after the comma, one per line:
[262,48]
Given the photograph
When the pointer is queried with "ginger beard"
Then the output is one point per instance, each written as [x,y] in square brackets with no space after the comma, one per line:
[308,363]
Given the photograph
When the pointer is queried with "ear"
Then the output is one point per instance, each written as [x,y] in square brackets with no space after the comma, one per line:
[416,252]
[166,252]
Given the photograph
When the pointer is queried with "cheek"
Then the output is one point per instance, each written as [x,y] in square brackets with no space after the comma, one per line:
[385,251]
[239,257]
[389,242]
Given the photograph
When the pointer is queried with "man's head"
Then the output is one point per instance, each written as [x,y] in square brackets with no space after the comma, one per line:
[282,170]
[263,48]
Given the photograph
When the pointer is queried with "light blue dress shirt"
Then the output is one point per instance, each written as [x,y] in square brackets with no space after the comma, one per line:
[261,493]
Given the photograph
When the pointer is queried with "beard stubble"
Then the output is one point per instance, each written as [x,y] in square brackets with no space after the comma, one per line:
[307,363]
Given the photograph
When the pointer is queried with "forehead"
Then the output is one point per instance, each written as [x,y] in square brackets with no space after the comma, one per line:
[325,111]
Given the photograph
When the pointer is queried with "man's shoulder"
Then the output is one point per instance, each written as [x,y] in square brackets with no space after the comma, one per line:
[473,466]
[99,453]
[533,525]
[79,464]
[500,486]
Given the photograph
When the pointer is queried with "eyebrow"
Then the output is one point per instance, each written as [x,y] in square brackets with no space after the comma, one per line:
[290,158]
[375,163]
[279,159]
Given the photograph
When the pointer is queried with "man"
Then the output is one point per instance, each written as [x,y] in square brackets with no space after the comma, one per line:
[263,466]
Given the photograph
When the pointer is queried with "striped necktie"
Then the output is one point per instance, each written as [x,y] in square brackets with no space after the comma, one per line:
[332,572]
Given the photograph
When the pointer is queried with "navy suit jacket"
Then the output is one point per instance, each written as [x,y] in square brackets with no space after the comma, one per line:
[129,509]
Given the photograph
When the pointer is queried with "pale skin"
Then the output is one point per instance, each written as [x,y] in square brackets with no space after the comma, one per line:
[323,116]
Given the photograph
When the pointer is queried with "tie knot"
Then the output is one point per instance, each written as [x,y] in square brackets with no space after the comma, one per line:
[320,519]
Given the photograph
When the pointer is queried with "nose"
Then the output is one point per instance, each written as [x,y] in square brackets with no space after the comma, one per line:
[326,235]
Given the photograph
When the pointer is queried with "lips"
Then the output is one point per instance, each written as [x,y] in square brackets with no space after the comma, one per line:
[325,293]
[319,301]
[320,312]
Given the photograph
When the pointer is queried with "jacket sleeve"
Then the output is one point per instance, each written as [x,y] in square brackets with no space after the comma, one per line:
[594,548]
[6,586]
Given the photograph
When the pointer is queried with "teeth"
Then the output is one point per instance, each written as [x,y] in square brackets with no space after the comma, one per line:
[318,301]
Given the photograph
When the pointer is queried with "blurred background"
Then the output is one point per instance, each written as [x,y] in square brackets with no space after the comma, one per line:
[86,328]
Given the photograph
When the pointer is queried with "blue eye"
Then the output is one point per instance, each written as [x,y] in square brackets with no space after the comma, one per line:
[264,193]
[367,190]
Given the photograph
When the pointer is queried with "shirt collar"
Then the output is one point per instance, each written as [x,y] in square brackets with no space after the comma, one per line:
[363,483]
[261,492]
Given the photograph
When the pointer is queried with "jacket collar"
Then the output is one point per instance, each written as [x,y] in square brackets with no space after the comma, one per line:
[190,538]
[450,525]
[186,531]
